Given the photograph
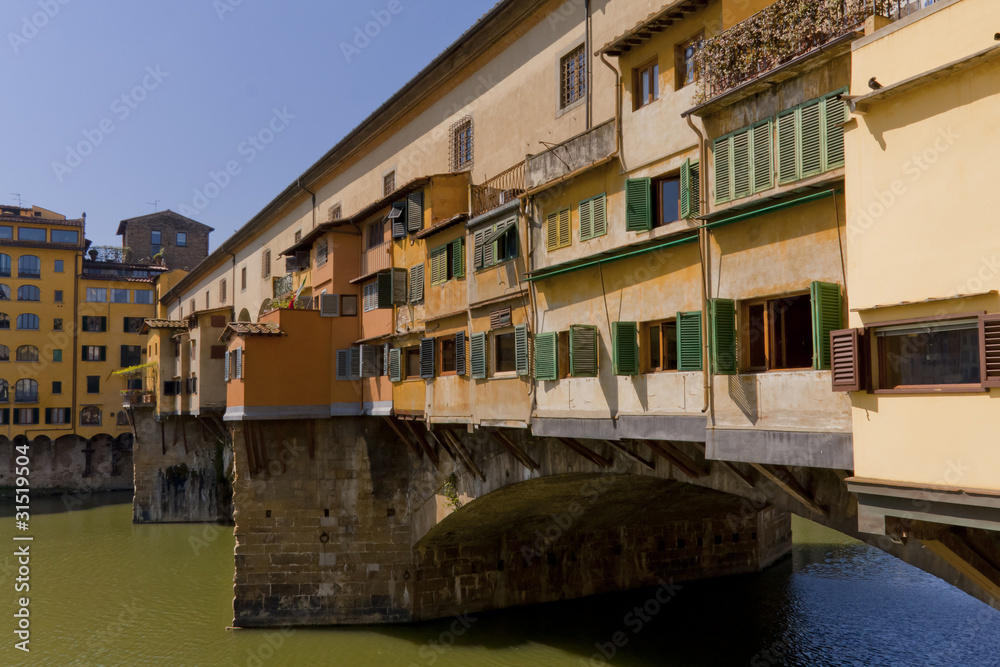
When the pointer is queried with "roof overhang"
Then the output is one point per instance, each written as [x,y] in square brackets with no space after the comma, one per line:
[655,23]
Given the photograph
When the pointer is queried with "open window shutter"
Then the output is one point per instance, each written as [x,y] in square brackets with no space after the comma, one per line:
[34,415]
[415,212]
[848,359]
[426,358]
[104,353]
[500,318]
[625,348]
[417,283]
[399,227]
[586,219]
[689,341]
[385,359]
[384,290]
[355,355]
[721,153]
[565,227]
[722,328]
[827,316]
[521,354]
[48,415]
[989,350]
[741,164]
[477,253]
[458,258]
[439,266]
[239,363]
[600,215]
[551,234]
[787,148]
[227,365]
[104,324]
[488,249]
[547,356]
[477,347]
[583,350]
[399,286]
[763,161]
[343,365]
[687,194]
[329,305]
[835,115]
[460,353]
[695,189]
[638,205]
[395,365]
[811,139]
[369,360]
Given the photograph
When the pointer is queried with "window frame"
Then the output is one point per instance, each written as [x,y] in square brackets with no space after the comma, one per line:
[494,365]
[441,342]
[681,78]
[877,363]
[769,319]
[407,353]
[656,185]
[652,67]
[666,350]
[572,93]
[180,240]
[463,144]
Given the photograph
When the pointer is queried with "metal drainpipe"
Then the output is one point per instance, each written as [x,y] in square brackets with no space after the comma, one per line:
[618,110]
[522,205]
[313,194]
[230,253]
[704,234]
[590,59]
[78,266]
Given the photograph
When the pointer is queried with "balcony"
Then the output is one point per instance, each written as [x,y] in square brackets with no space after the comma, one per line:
[106,253]
[499,190]
[137,398]
[575,153]
[375,259]
[283,286]
[784,32]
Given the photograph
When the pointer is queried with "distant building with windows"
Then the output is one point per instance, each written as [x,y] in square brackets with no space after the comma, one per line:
[181,241]
[70,316]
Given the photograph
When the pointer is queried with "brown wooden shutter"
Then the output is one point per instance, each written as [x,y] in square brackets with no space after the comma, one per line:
[989,350]
[849,361]
[500,318]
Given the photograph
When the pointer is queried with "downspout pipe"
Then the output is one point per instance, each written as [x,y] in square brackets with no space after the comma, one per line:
[313,195]
[619,84]
[590,76]
[230,253]
[704,236]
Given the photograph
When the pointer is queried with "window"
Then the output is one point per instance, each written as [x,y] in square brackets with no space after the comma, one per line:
[348,305]
[90,416]
[449,357]
[58,296]
[29,293]
[155,242]
[661,340]
[93,384]
[494,244]
[646,84]
[94,324]
[57,387]
[265,263]
[687,69]
[132,324]
[192,306]
[4,393]
[94,353]
[667,194]
[6,232]
[4,321]
[4,353]
[31,234]
[376,232]
[27,353]
[389,183]
[29,266]
[4,292]
[298,235]
[56,355]
[593,217]
[5,265]
[97,295]
[447,262]
[583,350]
[335,212]
[322,253]
[69,236]
[504,354]
[171,388]
[930,354]
[412,362]
[810,138]
[243,279]
[557,230]
[26,391]
[222,292]
[57,415]
[26,416]
[573,77]
[28,322]
[642,209]
[193,347]
[58,266]
[144,296]
[370,296]
[778,334]
[119,296]
[462,145]
[131,355]
[743,162]
[182,239]
[57,324]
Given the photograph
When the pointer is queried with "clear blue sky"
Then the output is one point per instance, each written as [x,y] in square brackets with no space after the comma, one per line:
[199,77]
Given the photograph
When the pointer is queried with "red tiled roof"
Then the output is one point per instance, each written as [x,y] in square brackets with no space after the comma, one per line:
[250,329]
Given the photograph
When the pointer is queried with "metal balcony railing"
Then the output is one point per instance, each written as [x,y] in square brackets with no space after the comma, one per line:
[105,253]
[375,259]
[283,286]
[777,35]
[499,190]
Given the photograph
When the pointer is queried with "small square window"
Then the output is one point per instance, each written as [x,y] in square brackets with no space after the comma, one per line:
[57,324]
[58,296]
[182,239]
[348,305]
[57,387]
[412,362]
[389,183]
[56,355]
[59,266]
[93,384]
[504,356]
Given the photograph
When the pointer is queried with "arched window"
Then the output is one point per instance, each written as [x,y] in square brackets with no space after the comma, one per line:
[29,293]
[4,395]
[90,416]
[4,292]
[4,265]
[29,266]
[4,321]
[27,353]
[4,353]
[28,322]
[26,391]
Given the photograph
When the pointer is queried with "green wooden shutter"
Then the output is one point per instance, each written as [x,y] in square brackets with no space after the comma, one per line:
[417,283]
[477,253]
[811,139]
[427,358]
[547,356]
[600,206]
[415,212]
[721,153]
[521,354]
[587,220]
[722,328]
[741,164]
[583,350]
[788,169]
[460,353]
[458,258]
[439,265]
[384,290]
[565,226]
[395,365]
[477,345]
[638,205]
[689,341]
[827,316]
[687,194]
[834,117]
[625,348]
[551,231]
[763,160]
[488,246]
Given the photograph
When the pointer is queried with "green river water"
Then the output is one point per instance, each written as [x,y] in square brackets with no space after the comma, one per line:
[106,592]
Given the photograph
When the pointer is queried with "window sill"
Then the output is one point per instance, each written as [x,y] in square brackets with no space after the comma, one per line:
[936,389]
[508,375]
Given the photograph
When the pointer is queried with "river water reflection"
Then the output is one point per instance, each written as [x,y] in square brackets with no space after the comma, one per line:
[105,592]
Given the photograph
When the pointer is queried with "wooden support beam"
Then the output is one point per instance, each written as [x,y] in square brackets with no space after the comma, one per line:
[444,444]
[674,455]
[464,454]
[515,451]
[587,453]
[784,480]
[422,441]
[632,455]
[955,551]
[406,441]
[742,476]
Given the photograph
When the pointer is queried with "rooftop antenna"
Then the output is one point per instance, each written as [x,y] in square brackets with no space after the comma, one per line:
[18,195]
[155,204]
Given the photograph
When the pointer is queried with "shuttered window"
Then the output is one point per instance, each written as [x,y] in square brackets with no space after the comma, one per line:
[458,258]
[500,318]
[397,218]
[228,354]
[415,212]
[343,365]
[743,162]
[521,354]
[848,359]
[417,283]
[395,365]
[690,189]
[383,298]
[625,348]
[722,334]
[593,217]
[989,350]
[689,344]
[460,353]
[329,305]
[477,349]
[638,205]
[355,358]
[493,244]
[427,347]
[810,138]
[370,296]
[439,265]
[827,316]
[369,360]
[557,230]
[547,356]
[583,350]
